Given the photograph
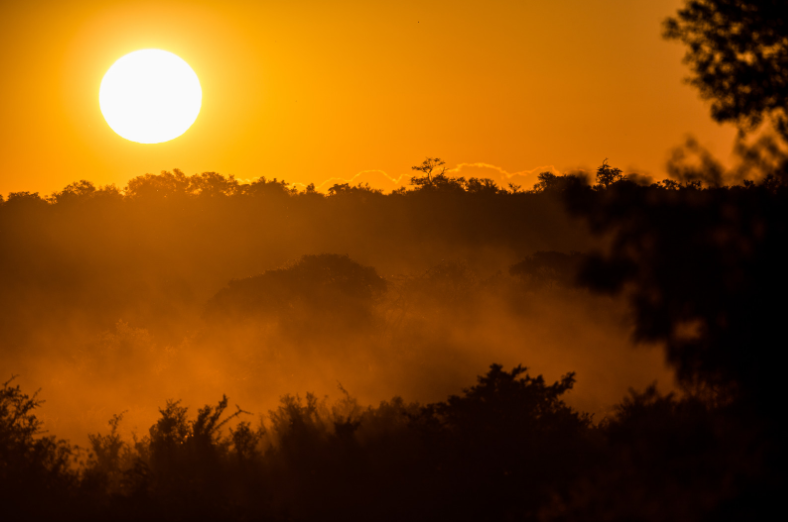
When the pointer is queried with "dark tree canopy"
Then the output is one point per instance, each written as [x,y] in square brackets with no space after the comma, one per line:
[738,52]
[704,271]
[329,289]
[552,183]
[607,175]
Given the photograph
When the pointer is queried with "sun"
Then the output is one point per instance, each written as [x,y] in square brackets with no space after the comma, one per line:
[150,96]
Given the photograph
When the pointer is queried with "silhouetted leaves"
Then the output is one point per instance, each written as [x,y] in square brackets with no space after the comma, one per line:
[669,458]
[36,480]
[738,52]
[607,175]
[553,184]
[702,269]
[506,448]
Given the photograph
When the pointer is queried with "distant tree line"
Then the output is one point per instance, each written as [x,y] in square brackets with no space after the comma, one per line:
[166,243]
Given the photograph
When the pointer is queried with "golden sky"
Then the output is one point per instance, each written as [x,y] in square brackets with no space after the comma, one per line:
[357,89]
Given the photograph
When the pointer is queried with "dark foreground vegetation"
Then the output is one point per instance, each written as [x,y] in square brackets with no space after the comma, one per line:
[508,448]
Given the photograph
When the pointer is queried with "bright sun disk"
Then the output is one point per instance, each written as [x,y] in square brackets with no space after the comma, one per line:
[150,96]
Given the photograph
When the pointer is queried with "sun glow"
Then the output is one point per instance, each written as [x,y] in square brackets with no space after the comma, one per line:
[150,96]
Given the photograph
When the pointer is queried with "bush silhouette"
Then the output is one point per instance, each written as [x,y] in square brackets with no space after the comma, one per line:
[36,478]
[331,291]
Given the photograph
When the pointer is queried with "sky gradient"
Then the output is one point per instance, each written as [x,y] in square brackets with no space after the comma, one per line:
[322,92]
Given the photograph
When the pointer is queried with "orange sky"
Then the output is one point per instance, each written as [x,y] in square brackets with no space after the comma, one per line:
[313,90]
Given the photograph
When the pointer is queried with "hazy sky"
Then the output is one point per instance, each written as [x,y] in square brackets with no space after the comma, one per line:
[313,90]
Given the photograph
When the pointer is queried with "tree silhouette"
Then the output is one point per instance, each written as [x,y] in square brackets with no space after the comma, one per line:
[263,187]
[663,457]
[504,446]
[607,175]
[507,448]
[701,277]
[32,467]
[485,187]
[552,184]
[428,166]
[211,184]
[24,201]
[738,53]
[438,181]
[165,185]
[329,290]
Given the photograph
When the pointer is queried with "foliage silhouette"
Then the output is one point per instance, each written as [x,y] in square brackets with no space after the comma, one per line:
[607,175]
[506,448]
[662,457]
[551,183]
[701,268]
[506,445]
[427,167]
[738,53]
[36,480]
[331,290]
[507,434]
